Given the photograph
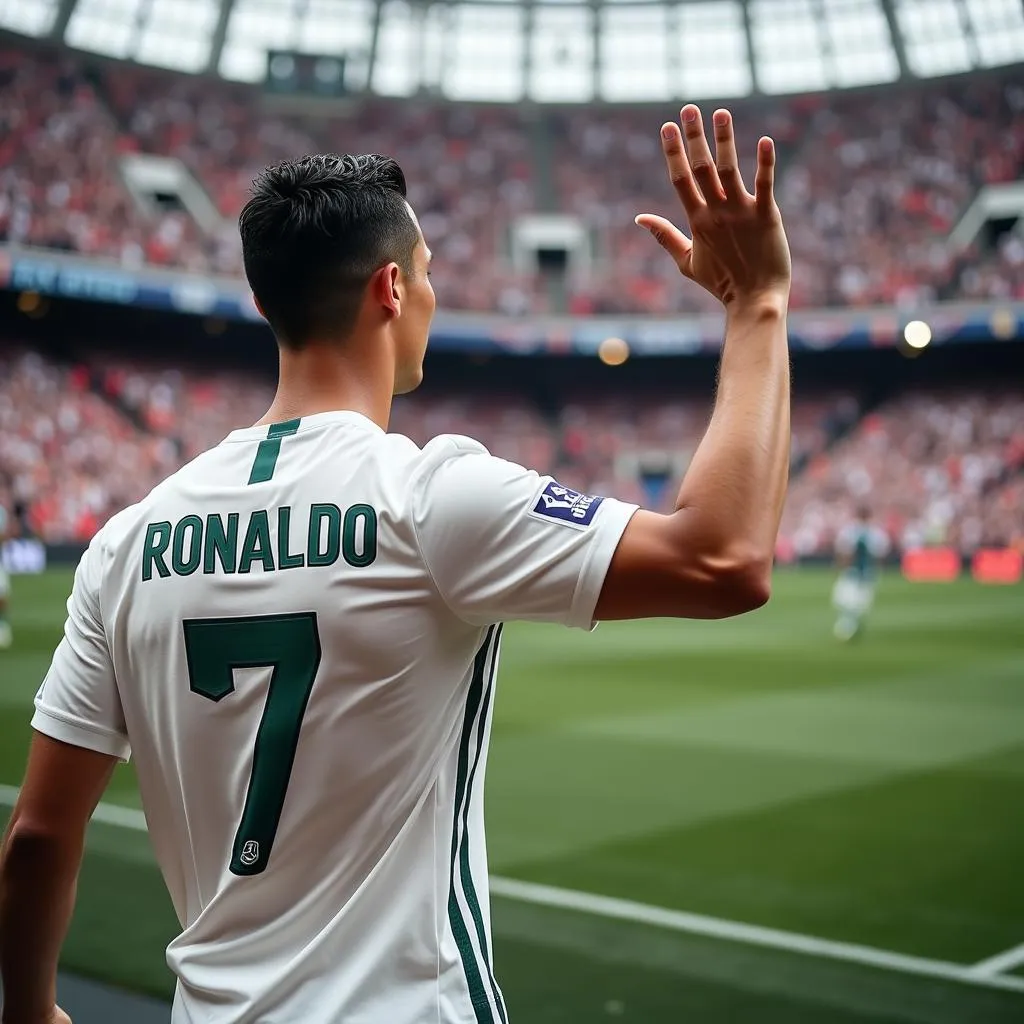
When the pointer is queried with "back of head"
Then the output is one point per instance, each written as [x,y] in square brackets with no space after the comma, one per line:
[313,233]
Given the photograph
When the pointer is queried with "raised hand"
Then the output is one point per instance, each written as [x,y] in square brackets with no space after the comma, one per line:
[738,251]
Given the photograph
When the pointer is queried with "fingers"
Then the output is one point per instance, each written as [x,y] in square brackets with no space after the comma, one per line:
[669,237]
[725,156]
[699,154]
[679,169]
[764,177]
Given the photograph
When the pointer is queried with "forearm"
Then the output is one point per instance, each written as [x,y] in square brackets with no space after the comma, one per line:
[736,483]
[38,875]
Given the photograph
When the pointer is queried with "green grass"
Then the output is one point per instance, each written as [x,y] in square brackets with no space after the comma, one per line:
[750,769]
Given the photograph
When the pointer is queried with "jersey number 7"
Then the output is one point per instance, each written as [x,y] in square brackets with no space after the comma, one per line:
[290,644]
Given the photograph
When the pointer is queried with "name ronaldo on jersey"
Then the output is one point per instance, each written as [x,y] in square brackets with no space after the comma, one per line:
[218,543]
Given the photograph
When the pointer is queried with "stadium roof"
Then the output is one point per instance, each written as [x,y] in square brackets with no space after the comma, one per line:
[551,50]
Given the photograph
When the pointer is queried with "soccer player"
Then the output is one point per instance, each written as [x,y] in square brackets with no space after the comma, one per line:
[859,547]
[6,636]
[297,633]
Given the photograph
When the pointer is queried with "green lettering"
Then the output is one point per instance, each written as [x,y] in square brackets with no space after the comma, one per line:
[181,565]
[316,553]
[158,536]
[256,546]
[285,558]
[221,543]
[363,554]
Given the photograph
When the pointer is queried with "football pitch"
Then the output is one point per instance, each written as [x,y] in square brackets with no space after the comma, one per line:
[737,821]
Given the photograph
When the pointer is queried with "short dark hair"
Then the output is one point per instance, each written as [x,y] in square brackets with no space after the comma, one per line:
[313,233]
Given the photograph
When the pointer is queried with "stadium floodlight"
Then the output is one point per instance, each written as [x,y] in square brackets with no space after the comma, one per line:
[917,334]
[613,351]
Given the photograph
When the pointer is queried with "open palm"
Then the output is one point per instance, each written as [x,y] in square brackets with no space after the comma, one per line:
[739,249]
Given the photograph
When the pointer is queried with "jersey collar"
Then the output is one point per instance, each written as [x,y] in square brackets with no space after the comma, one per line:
[307,423]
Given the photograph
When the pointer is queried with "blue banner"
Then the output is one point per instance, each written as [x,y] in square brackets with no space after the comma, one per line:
[75,277]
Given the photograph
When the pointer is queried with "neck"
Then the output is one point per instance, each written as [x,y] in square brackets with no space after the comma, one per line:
[324,377]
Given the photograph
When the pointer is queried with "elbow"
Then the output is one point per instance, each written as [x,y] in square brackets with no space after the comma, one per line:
[741,583]
[36,842]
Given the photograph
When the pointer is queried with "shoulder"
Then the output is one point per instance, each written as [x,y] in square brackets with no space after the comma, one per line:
[116,530]
[122,526]
[451,446]
[421,464]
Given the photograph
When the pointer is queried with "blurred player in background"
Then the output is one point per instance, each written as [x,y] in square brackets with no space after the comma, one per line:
[6,636]
[860,546]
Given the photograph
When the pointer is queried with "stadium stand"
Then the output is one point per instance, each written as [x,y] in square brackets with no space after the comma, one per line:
[880,179]
[68,457]
[79,442]
[935,467]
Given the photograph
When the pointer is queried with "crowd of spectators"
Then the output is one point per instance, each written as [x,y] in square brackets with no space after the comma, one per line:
[468,169]
[64,128]
[69,459]
[932,467]
[79,442]
[59,187]
[871,183]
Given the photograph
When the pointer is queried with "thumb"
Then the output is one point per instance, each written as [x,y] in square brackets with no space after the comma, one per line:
[668,236]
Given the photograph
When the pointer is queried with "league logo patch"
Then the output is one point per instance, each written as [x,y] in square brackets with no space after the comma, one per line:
[566,505]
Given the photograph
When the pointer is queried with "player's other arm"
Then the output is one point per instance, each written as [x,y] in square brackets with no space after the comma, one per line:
[713,556]
[39,862]
[79,737]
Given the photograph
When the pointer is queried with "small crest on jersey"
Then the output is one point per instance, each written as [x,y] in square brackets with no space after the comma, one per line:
[250,853]
[565,505]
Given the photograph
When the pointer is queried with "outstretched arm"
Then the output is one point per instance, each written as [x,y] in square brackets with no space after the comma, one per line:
[712,557]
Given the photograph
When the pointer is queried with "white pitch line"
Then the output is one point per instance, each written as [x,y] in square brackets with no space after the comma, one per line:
[984,974]
[749,934]
[999,963]
[733,931]
[107,814]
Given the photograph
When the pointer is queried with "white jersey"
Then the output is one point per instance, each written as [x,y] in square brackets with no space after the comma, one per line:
[297,635]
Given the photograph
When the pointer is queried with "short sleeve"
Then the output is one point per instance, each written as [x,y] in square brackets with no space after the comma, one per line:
[503,542]
[78,702]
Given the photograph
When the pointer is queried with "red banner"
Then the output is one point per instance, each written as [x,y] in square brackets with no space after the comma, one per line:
[931,565]
[998,565]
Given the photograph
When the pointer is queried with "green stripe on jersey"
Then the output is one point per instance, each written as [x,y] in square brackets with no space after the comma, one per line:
[266,455]
[475,978]
[468,885]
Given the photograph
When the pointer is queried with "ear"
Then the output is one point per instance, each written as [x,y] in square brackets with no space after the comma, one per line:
[259,308]
[385,289]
